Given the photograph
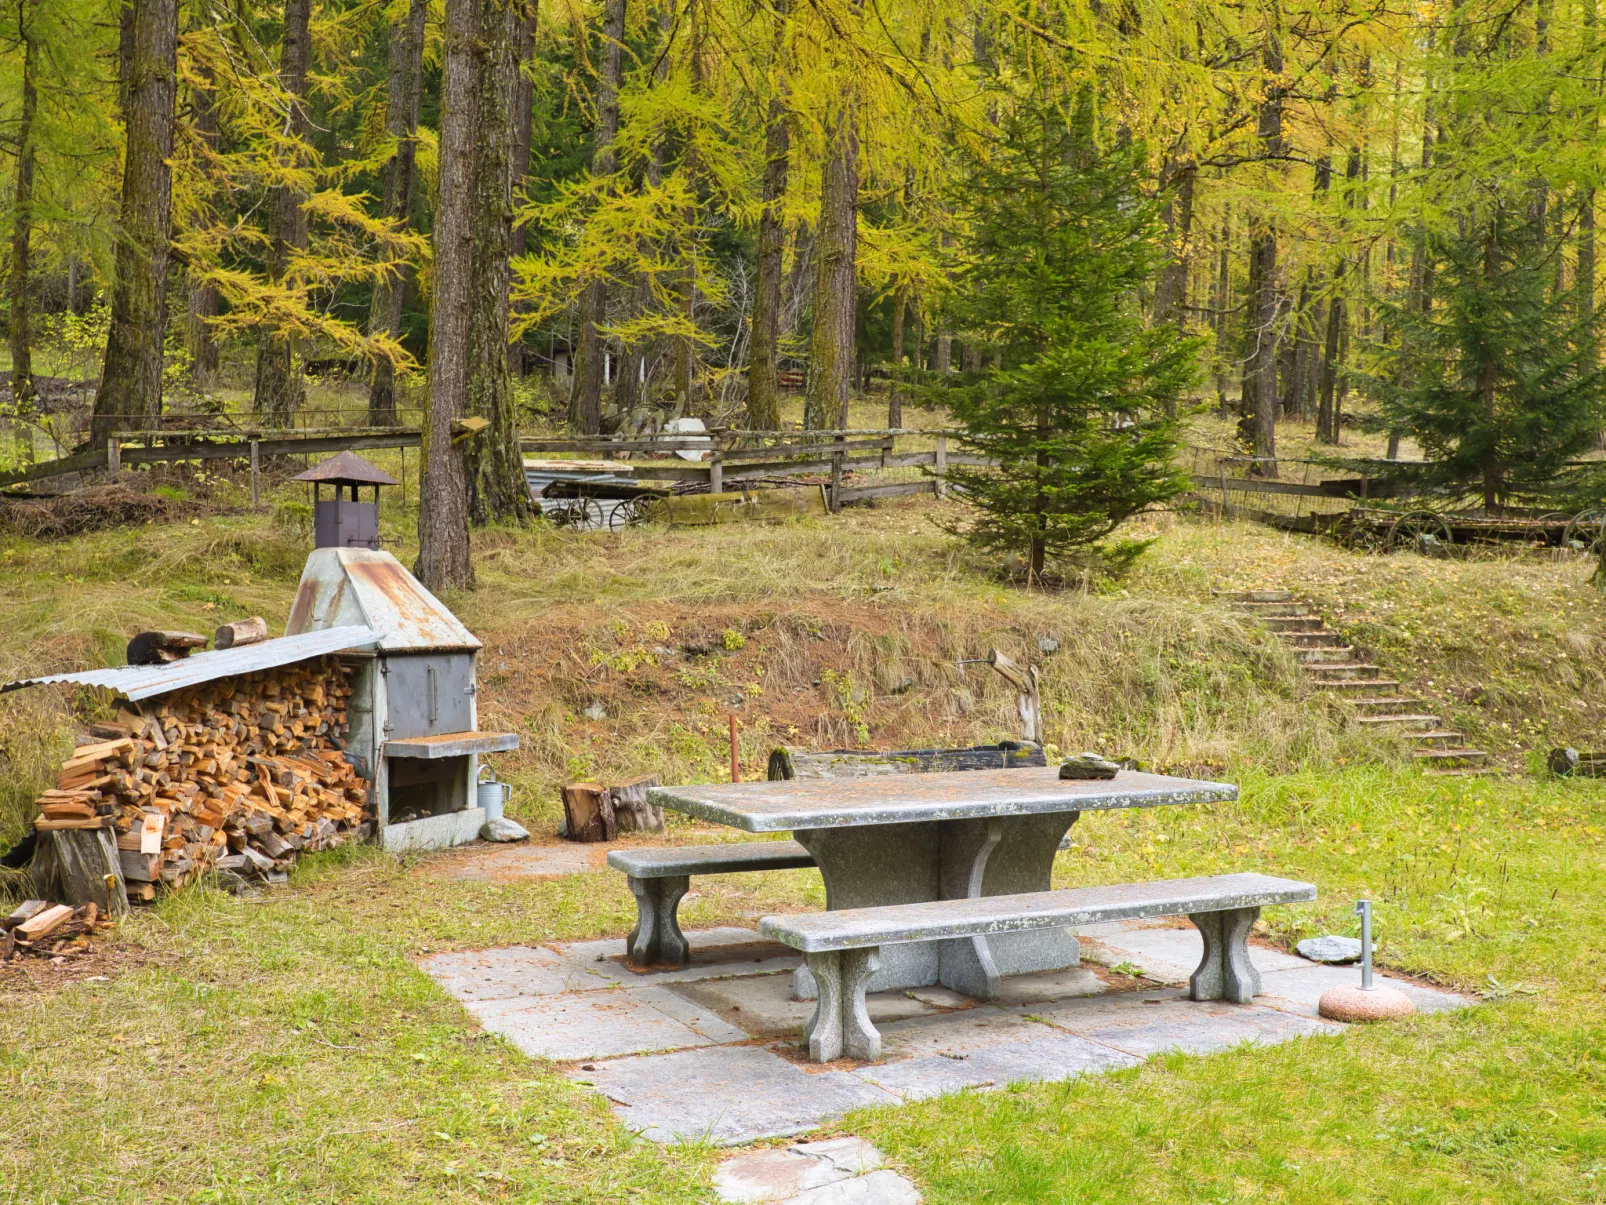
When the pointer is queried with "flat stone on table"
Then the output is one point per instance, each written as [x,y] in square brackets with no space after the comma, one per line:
[1144,1024]
[597,1025]
[727,1094]
[1330,949]
[983,1047]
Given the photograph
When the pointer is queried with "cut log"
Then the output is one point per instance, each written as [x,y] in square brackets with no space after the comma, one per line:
[588,813]
[26,910]
[90,868]
[45,923]
[140,867]
[241,631]
[147,648]
[631,811]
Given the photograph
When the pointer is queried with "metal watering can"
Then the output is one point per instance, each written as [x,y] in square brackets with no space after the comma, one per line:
[493,795]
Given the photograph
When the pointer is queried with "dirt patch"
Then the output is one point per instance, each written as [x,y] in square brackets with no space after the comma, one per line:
[510,863]
[100,958]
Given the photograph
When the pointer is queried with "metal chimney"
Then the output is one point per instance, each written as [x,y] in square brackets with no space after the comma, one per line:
[345,522]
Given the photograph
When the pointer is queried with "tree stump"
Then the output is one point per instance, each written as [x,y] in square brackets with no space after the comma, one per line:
[88,868]
[632,812]
[588,813]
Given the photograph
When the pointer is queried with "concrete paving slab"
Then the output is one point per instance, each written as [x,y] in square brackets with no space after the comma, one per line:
[984,1047]
[596,1025]
[727,1094]
[1298,990]
[781,1173]
[714,953]
[1144,1024]
[1171,955]
[878,1188]
[508,973]
[763,1004]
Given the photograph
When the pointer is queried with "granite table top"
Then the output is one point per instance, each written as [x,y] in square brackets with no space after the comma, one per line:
[772,807]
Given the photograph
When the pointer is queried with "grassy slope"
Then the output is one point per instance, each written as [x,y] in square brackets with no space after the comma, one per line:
[286,1050]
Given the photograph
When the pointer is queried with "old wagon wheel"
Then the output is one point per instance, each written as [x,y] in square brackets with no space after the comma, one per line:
[622,515]
[652,510]
[589,514]
[1420,531]
[1584,531]
[1550,519]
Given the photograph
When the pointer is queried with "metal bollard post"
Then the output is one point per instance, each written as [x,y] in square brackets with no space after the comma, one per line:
[1364,907]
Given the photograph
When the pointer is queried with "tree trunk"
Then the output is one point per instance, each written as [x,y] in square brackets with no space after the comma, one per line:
[523,105]
[836,285]
[202,301]
[130,394]
[1170,293]
[763,367]
[900,305]
[22,390]
[280,388]
[443,540]
[497,489]
[1327,424]
[405,82]
[1260,370]
[1221,298]
[1586,254]
[630,386]
[586,405]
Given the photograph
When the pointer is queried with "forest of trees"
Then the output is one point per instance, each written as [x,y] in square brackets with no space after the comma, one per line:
[683,196]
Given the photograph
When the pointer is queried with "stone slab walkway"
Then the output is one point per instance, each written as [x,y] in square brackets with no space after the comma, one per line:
[710,1053]
[839,1171]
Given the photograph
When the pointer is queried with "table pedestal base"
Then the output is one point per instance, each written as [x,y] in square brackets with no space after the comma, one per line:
[869,866]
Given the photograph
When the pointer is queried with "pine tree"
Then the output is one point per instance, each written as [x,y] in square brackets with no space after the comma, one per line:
[1499,380]
[1061,241]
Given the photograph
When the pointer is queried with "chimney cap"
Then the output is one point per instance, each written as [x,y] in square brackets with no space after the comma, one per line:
[346,468]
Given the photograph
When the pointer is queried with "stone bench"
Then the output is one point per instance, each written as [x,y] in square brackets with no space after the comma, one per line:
[659,877]
[842,948]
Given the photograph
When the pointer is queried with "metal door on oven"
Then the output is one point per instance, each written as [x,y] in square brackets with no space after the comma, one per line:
[428,693]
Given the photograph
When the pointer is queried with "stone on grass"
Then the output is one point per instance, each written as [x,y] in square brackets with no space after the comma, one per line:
[1329,949]
[1353,1003]
[503,829]
[1088,765]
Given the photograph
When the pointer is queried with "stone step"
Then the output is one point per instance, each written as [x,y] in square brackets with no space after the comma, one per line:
[1271,596]
[1322,638]
[1278,610]
[1381,705]
[1294,623]
[1341,671]
[1453,757]
[1319,656]
[1438,738]
[1401,720]
[1361,684]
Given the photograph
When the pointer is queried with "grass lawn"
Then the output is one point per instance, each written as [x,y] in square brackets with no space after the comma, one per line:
[286,1049]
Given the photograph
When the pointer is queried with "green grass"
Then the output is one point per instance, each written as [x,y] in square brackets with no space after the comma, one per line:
[288,1050]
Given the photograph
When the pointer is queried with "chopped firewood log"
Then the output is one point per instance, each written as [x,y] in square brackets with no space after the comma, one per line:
[241,631]
[45,923]
[26,910]
[153,648]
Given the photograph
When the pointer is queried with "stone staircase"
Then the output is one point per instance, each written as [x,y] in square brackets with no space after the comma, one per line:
[1332,665]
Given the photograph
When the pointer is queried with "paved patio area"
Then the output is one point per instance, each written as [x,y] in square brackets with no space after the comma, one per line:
[709,1052]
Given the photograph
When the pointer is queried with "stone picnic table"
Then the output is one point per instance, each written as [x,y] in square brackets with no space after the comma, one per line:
[913,838]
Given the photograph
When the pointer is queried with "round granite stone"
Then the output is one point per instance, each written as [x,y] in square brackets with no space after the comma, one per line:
[1330,949]
[1356,1004]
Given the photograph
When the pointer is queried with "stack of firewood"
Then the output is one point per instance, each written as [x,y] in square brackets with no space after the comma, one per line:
[234,776]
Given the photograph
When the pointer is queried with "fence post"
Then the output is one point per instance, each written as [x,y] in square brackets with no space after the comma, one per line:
[114,456]
[940,466]
[716,475]
[836,480]
[256,475]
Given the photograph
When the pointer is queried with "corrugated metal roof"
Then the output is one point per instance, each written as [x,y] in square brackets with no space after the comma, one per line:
[362,586]
[138,682]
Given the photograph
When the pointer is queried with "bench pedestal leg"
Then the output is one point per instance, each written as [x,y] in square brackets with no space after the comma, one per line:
[841,1022]
[1225,972]
[657,937]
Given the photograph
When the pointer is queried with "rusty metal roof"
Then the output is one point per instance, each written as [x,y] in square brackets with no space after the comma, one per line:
[360,586]
[136,682]
[346,468]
